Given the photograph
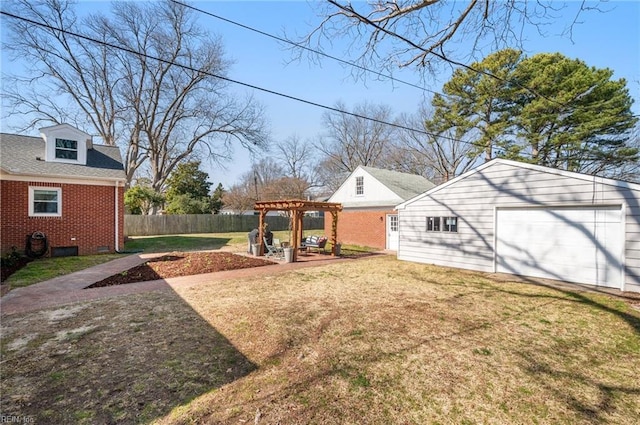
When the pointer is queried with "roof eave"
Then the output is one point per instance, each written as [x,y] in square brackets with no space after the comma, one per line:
[4,171]
[535,167]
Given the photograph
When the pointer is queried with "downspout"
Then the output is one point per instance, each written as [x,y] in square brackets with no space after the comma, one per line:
[117,224]
[117,221]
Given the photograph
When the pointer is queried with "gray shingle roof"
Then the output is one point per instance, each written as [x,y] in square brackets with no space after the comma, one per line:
[405,185]
[20,155]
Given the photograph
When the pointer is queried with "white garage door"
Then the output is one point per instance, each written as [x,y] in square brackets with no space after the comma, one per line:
[581,245]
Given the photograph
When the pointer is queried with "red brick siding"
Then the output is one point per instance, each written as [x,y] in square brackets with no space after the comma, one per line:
[364,228]
[87,215]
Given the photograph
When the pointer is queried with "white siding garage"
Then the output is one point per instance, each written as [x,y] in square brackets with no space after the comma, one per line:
[512,217]
[580,244]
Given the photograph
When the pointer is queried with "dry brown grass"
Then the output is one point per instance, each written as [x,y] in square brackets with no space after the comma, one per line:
[378,341]
[381,341]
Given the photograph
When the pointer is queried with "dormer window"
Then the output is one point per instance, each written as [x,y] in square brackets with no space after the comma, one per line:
[64,143]
[66,149]
[359,186]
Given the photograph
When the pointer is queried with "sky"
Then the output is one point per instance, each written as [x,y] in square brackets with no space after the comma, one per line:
[603,40]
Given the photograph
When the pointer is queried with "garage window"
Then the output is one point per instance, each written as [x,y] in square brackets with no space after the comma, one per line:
[442,224]
[433,224]
[450,224]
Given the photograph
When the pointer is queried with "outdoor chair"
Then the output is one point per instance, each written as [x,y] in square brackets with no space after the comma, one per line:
[316,242]
[273,250]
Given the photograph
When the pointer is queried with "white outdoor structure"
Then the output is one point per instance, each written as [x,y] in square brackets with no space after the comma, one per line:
[512,217]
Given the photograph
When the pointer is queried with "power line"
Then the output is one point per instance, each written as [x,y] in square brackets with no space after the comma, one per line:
[350,9]
[300,46]
[355,65]
[252,86]
[273,92]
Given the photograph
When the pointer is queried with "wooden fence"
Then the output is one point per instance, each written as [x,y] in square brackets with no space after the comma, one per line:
[149,225]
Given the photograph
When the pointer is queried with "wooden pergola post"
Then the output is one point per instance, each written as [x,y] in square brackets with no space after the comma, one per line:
[261,232]
[295,241]
[334,231]
[300,226]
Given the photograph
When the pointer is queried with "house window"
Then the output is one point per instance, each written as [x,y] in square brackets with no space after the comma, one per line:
[45,201]
[360,185]
[450,224]
[66,149]
[433,224]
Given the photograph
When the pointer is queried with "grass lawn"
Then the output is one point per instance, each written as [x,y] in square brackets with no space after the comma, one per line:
[47,268]
[190,242]
[372,341]
[203,241]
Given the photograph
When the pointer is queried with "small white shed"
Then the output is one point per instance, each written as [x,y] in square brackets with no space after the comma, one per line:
[528,220]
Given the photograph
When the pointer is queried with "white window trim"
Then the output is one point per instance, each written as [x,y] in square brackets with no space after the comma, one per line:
[32,190]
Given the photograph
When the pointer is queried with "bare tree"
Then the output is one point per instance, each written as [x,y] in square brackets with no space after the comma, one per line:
[331,174]
[263,173]
[271,181]
[65,78]
[437,156]
[285,188]
[352,140]
[299,162]
[240,197]
[265,181]
[145,78]
[297,157]
[398,33]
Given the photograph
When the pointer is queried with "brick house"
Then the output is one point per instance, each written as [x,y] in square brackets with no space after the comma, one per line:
[368,197]
[63,186]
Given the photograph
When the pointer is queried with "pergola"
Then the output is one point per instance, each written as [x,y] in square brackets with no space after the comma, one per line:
[297,208]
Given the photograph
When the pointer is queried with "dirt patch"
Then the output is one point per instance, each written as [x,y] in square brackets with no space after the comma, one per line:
[182,264]
[125,360]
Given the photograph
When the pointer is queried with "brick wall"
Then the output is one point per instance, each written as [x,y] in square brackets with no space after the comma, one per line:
[87,216]
[361,227]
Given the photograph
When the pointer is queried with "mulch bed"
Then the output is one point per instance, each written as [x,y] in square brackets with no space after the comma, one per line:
[182,264]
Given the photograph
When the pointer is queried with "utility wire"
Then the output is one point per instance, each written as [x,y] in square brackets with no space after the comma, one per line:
[360,67]
[297,99]
[300,46]
[414,130]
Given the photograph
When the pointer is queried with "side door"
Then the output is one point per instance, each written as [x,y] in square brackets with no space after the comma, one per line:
[393,235]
